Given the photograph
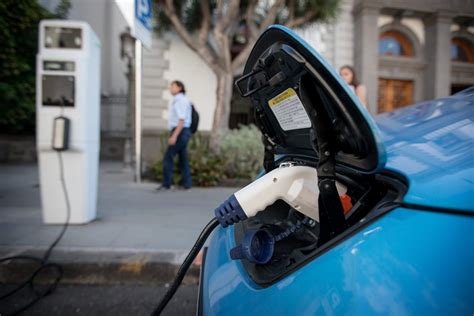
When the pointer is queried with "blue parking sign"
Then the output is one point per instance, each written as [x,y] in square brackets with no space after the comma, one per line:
[144,21]
[143,12]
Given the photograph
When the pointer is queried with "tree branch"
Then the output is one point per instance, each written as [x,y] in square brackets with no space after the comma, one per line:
[222,41]
[231,14]
[301,20]
[271,14]
[242,56]
[202,50]
[206,22]
[269,19]
[249,19]
[170,12]
[291,10]
[221,36]
[220,6]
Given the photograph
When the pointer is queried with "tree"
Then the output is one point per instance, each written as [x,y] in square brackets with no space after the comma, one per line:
[211,28]
[19,21]
[63,8]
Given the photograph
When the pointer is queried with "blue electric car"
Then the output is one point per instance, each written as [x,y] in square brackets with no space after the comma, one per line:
[402,243]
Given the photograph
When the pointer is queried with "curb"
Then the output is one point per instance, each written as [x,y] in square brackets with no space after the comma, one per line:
[100,266]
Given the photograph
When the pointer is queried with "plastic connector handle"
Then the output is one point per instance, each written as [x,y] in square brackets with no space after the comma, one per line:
[296,185]
[230,212]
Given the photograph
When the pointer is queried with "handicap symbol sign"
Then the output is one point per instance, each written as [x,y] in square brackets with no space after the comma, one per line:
[143,13]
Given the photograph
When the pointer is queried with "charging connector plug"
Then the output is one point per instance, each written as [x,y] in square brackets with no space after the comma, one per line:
[296,185]
[230,212]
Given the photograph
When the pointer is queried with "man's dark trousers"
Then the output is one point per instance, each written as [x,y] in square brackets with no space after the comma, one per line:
[180,148]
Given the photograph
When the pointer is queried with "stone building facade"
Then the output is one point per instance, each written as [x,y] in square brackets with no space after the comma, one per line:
[403,51]
[409,51]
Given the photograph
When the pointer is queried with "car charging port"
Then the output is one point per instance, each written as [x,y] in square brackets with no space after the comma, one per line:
[295,238]
[258,245]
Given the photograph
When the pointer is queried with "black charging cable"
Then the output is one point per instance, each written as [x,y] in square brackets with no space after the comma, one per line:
[44,263]
[185,266]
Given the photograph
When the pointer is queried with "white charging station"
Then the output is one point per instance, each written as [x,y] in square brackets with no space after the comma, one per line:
[68,119]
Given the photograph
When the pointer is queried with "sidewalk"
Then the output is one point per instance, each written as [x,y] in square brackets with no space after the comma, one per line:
[136,225]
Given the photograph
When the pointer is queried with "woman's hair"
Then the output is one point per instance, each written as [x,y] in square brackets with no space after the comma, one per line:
[355,81]
[180,85]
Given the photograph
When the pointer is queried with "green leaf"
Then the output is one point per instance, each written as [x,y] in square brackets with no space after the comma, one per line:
[19,20]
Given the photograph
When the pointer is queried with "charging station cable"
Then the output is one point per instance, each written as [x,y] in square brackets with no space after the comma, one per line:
[44,263]
[185,266]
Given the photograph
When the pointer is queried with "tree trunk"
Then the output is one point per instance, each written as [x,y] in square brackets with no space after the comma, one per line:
[224,91]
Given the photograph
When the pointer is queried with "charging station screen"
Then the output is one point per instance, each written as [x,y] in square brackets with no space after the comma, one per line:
[62,37]
[58,90]
[58,65]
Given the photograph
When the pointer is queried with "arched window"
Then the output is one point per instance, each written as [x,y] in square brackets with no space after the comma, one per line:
[394,43]
[462,50]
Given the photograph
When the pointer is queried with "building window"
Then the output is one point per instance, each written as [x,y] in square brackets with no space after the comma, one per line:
[462,50]
[394,43]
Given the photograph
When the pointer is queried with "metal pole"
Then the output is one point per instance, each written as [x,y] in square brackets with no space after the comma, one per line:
[138,110]
[127,150]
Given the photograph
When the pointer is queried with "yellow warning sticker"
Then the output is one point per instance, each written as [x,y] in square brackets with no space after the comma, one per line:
[288,93]
[289,111]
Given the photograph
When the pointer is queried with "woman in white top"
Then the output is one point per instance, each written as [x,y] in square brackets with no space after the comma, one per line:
[349,76]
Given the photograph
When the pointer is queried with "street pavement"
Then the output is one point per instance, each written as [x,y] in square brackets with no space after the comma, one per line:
[119,264]
[101,300]
[132,217]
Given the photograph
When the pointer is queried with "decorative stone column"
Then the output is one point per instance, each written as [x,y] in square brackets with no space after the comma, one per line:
[366,38]
[438,54]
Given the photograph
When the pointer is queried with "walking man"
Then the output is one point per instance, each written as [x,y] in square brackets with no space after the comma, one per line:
[179,122]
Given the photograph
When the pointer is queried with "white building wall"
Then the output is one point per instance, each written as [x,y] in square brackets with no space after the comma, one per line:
[414,24]
[344,36]
[186,66]
[108,22]
[384,19]
[334,41]
[315,34]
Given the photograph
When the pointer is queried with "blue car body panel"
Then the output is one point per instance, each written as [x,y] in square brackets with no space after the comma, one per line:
[432,145]
[410,261]
[393,266]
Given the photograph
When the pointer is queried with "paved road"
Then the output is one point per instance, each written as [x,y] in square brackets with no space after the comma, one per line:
[103,301]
